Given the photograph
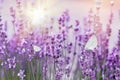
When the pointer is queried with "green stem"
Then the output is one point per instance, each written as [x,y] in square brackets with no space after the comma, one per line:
[32,70]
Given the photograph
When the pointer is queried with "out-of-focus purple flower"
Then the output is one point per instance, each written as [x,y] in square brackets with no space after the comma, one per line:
[69,47]
[118,44]
[1,24]
[10,63]
[77,23]
[113,66]
[64,18]
[109,30]
[59,37]
[86,62]
[12,12]
[21,74]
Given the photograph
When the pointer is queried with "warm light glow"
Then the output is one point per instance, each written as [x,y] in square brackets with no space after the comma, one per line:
[98,3]
[36,15]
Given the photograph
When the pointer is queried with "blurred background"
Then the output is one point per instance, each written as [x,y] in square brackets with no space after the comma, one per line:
[78,9]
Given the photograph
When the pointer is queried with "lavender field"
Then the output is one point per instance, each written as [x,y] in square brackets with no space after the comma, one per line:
[59,40]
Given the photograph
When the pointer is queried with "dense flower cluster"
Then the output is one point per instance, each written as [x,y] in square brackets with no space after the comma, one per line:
[73,53]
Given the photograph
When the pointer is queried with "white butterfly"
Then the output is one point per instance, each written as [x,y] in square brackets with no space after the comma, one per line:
[36,48]
[91,43]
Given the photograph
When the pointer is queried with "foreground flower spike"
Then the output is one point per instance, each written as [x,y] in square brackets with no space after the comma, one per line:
[11,62]
[118,43]
[21,74]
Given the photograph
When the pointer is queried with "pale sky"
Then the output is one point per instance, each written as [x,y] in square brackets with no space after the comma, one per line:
[78,10]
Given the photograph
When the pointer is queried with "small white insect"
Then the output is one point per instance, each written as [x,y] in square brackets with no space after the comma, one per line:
[91,43]
[36,48]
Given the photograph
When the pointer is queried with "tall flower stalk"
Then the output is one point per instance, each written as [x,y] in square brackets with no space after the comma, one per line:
[78,51]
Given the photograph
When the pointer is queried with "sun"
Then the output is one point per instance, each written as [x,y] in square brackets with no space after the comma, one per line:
[36,15]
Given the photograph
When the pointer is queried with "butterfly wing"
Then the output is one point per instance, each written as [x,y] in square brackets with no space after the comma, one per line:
[91,43]
[36,48]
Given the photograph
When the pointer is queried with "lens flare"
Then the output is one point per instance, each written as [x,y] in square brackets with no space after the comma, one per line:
[36,15]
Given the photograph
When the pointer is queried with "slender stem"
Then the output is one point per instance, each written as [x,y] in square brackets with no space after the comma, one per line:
[74,55]
[32,68]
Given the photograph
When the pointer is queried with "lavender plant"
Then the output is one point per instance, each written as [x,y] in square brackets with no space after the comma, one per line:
[73,53]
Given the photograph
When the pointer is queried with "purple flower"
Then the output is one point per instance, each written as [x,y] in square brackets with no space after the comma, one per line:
[21,74]
[118,44]
[10,63]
